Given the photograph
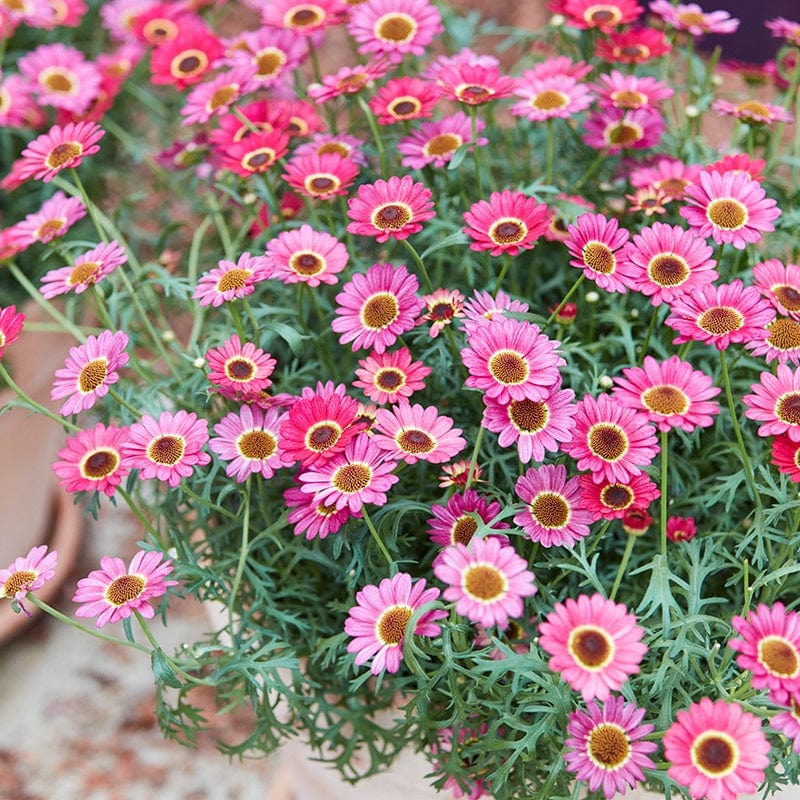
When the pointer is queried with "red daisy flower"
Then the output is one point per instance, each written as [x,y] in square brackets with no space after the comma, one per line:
[235,367]
[664,262]
[59,149]
[592,242]
[507,223]
[186,59]
[376,307]
[442,307]
[390,377]
[343,144]
[321,176]
[681,529]
[10,326]
[395,208]
[403,99]
[611,499]
[634,46]
[720,315]
[636,522]
[740,162]
[786,457]
[255,153]
[92,460]
[611,441]
[457,521]
[473,84]
[510,359]
[670,392]
[591,14]
[729,207]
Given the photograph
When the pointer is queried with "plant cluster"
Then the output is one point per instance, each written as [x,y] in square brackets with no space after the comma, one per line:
[452,363]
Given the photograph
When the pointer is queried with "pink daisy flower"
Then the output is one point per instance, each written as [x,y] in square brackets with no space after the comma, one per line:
[535,426]
[729,207]
[88,269]
[630,92]
[780,285]
[348,80]
[788,723]
[27,574]
[587,14]
[402,99]
[56,216]
[361,474]
[436,141]
[615,129]
[378,620]
[376,307]
[776,403]
[507,223]
[594,644]
[59,149]
[786,457]
[301,17]
[17,104]
[614,499]
[239,368]
[560,65]
[780,340]
[671,393]
[670,175]
[319,426]
[461,473]
[482,307]
[593,242]
[553,97]
[390,377]
[720,315]
[634,46]
[61,77]
[466,745]
[229,281]
[739,162]
[249,440]
[511,359]
[89,371]
[305,255]
[92,460]
[604,747]
[272,53]
[255,153]
[442,307]
[167,448]
[609,440]
[342,144]
[487,581]
[474,84]
[717,750]
[783,28]
[752,112]
[394,28]
[312,518]
[321,177]
[691,18]
[553,515]
[215,97]
[395,208]
[664,262]
[10,326]
[457,521]
[681,529]
[417,433]
[115,592]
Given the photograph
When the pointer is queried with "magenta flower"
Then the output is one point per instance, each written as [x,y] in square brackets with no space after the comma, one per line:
[609,440]
[630,92]
[594,644]
[487,581]
[390,209]
[775,403]
[587,14]
[729,207]
[88,269]
[61,77]
[376,307]
[321,176]
[616,129]
[389,377]
[55,217]
[605,748]
[115,592]
[249,441]
[414,433]
[681,529]
[378,620]
[456,523]
[510,359]
[752,112]
[474,84]
[92,460]
[691,18]
[167,448]
[59,149]
[780,284]
[670,392]
[553,514]
[403,99]
[482,307]
[27,574]
[313,518]
[717,750]
[720,315]
[235,367]
[361,474]
[436,141]
[305,255]
[10,326]
[89,371]
[215,96]
[228,281]
[593,242]
[557,96]
[508,222]
[614,499]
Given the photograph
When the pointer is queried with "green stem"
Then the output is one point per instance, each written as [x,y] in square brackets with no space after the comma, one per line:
[376,536]
[503,272]
[623,565]
[567,296]
[473,461]
[211,506]
[664,495]
[29,401]
[549,151]
[124,403]
[477,151]
[138,513]
[376,135]
[420,264]
[590,170]
[90,206]
[83,628]
[243,550]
